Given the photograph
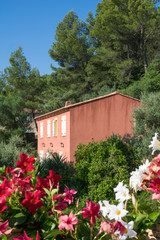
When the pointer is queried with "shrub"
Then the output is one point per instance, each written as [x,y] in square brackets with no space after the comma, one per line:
[101,165]
[10,150]
[60,166]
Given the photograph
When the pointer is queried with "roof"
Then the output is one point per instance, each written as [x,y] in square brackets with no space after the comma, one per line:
[66,108]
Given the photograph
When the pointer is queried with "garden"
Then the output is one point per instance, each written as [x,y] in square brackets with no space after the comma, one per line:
[36,207]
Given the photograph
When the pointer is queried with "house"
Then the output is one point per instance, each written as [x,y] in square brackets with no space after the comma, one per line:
[63,129]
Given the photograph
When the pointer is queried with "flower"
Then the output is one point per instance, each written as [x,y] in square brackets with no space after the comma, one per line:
[128,232]
[25,237]
[106,226]
[26,163]
[122,192]
[53,178]
[91,211]
[139,175]
[32,201]
[3,227]
[67,222]
[117,212]
[2,203]
[68,195]
[155,144]
[104,209]
[5,188]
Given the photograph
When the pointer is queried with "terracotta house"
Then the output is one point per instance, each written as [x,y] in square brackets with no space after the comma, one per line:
[63,129]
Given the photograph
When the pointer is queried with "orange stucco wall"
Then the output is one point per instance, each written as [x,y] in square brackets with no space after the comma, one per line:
[98,119]
[57,147]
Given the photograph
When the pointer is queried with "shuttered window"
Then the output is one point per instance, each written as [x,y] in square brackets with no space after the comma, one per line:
[48,128]
[63,125]
[41,130]
[55,128]
[41,156]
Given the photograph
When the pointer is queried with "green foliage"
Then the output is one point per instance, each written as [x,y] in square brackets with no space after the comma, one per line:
[100,166]
[146,122]
[150,82]
[11,150]
[59,165]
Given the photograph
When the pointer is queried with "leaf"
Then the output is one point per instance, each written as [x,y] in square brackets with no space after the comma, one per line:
[54,191]
[47,191]
[53,233]
[18,219]
[3,237]
[153,216]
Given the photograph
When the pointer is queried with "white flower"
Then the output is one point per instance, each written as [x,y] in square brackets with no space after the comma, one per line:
[128,232]
[104,208]
[122,192]
[117,212]
[155,144]
[138,175]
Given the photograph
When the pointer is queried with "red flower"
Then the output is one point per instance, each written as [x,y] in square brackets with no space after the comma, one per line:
[24,184]
[26,163]
[5,188]
[25,237]
[42,183]
[91,211]
[117,226]
[68,222]
[32,201]
[3,227]
[53,178]
[2,203]
[68,195]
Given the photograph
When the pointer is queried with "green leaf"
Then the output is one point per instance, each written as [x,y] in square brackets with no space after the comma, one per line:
[54,191]
[18,219]
[52,234]
[153,216]
[3,237]
[47,191]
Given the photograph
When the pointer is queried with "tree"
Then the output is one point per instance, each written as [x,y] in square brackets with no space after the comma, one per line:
[19,79]
[147,122]
[150,82]
[72,49]
[13,119]
[130,31]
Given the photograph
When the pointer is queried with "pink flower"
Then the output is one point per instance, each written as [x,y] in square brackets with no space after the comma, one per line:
[32,201]
[3,227]
[26,163]
[91,211]
[67,222]
[25,237]
[68,195]
[106,226]
[2,203]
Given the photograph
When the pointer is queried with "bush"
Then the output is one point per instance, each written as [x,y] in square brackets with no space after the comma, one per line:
[60,166]
[11,149]
[101,165]
[146,122]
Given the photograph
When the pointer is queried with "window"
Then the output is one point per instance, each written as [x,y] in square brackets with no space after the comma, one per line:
[48,154]
[48,128]
[60,154]
[41,130]
[41,155]
[63,122]
[55,128]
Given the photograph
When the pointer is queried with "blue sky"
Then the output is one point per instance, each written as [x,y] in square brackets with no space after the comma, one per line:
[32,24]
